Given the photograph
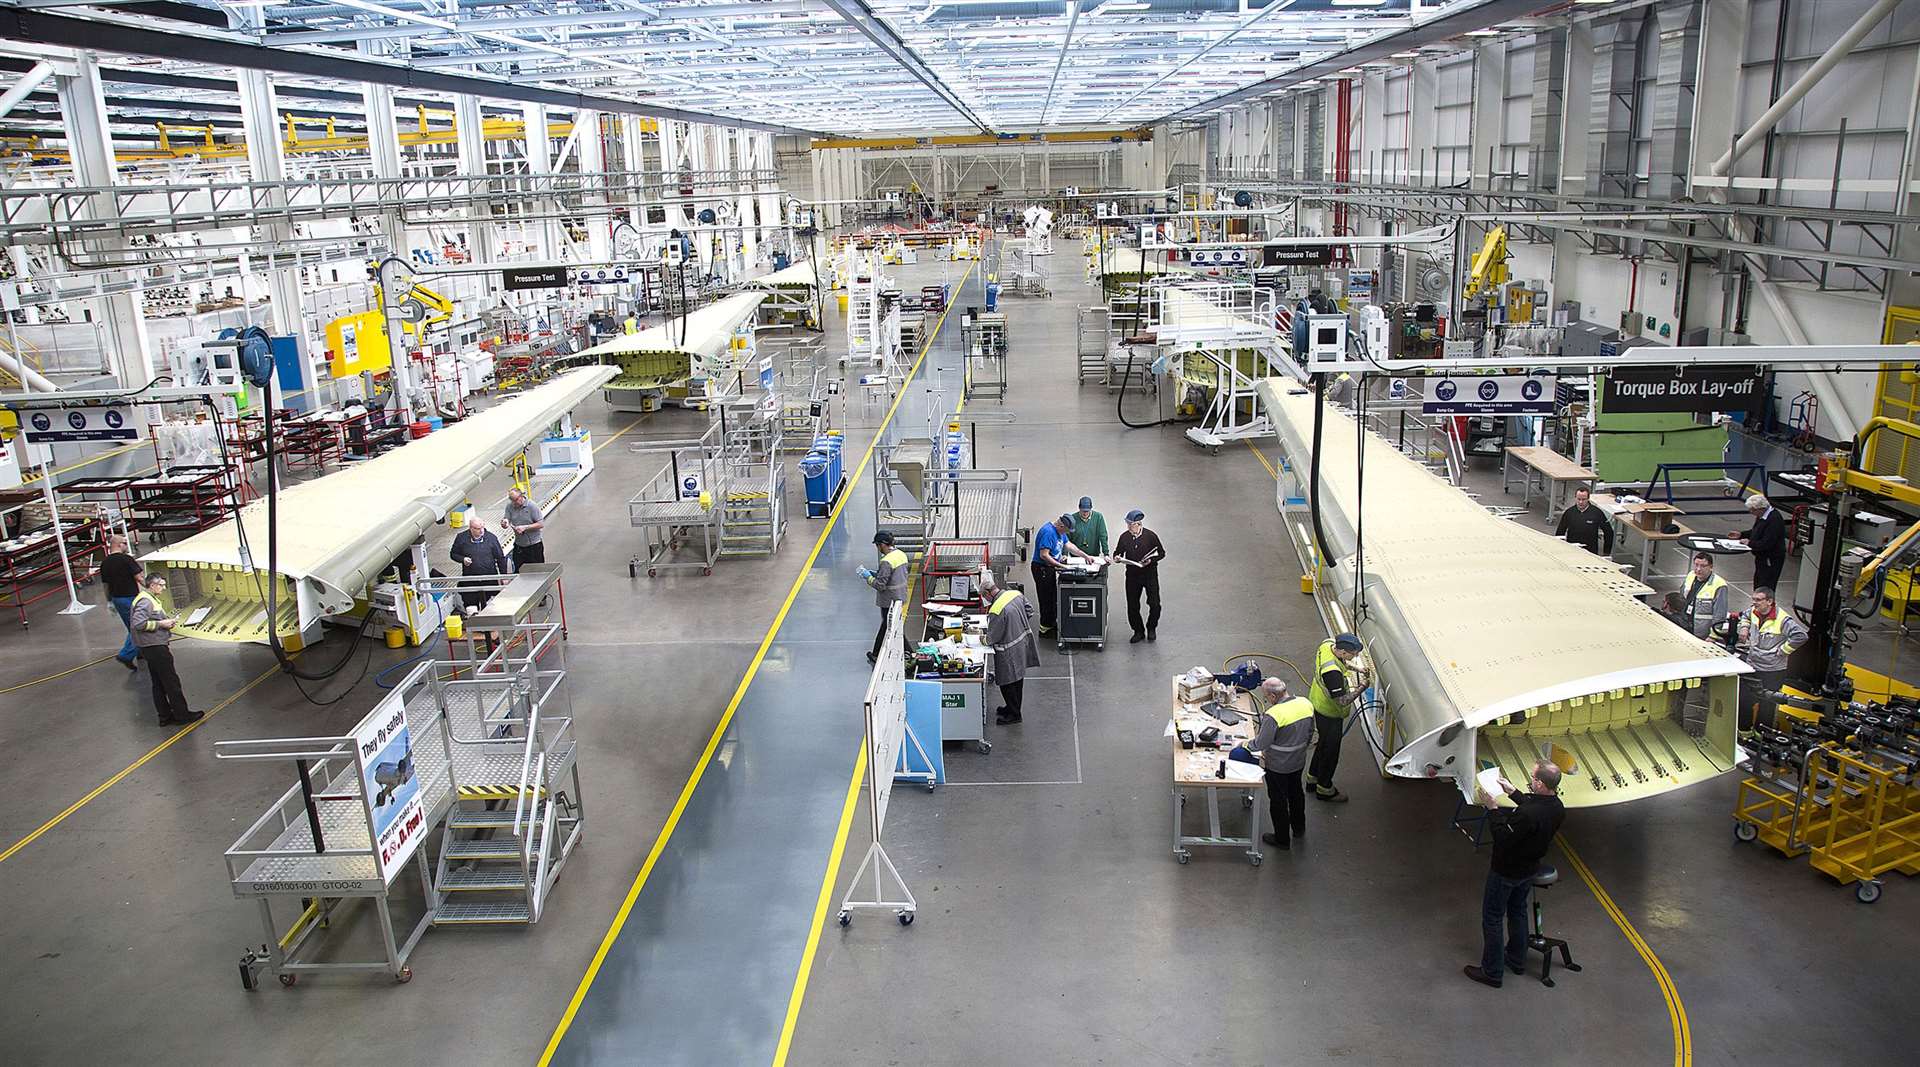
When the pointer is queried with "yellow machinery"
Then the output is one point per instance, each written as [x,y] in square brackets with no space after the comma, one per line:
[359,343]
[1489,270]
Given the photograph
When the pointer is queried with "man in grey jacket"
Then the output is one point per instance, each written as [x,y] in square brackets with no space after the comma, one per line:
[1768,636]
[1281,739]
[152,628]
[1014,645]
[889,582]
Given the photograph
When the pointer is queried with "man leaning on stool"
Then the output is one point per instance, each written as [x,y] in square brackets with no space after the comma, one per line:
[1521,836]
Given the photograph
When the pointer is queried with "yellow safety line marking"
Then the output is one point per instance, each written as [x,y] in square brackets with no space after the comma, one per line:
[62,674]
[726,717]
[820,906]
[1676,1011]
[621,430]
[89,461]
[1264,461]
[137,764]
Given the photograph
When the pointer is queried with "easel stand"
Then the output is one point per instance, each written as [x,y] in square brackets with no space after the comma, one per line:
[887,737]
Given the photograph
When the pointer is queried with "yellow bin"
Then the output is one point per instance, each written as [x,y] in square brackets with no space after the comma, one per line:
[456,626]
[843,302]
[396,637]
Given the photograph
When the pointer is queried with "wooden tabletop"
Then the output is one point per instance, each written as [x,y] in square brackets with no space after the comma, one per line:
[1197,765]
[1550,463]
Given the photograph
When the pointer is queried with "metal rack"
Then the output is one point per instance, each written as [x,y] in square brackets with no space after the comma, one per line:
[33,557]
[680,502]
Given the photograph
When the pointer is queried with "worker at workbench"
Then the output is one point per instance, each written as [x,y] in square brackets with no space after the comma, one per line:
[525,519]
[1768,636]
[152,629]
[1281,739]
[1087,529]
[1768,539]
[1140,552]
[1521,836]
[1051,548]
[1337,687]
[1705,597]
[479,554]
[889,582]
[1015,648]
[1585,525]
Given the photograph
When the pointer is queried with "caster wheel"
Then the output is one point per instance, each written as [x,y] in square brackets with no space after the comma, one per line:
[1745,831]
[846,918]
[930,787]
[405,975]
[653,572]
[289,979]
[984,747]
[1246,802]
[1255,859]
[1867,892]
[706,571]
[906,918]
[1215,450]
[1183,857]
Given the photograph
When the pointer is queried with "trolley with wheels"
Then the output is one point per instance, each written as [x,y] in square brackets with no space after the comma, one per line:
[1199,769]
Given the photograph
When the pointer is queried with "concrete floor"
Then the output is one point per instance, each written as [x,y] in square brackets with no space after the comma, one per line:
[1054,926]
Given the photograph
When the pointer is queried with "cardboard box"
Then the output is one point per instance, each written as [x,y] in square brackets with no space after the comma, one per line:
[1652,516]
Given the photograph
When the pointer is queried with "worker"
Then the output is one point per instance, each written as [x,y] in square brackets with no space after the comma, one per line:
[1050,551]
[1586,525]
[1705,597]
[1140,551]
[1768,637]
[526,520]
[1768,539]
[479,554]
[1015,648]
[889,582]
[1087,529]
[121,574]
[1337,687]
[152,629]
[1521,836]
[1281,738]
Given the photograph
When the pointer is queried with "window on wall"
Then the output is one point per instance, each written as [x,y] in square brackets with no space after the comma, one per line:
[1316,146]
[1394,162]
[1285,124]
[1646,66]
[1453,120]
[1516,118]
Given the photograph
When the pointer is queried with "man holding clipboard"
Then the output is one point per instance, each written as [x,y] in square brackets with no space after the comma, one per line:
[1139,549]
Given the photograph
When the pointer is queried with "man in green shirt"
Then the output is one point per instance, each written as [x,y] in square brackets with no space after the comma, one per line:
[1087,529]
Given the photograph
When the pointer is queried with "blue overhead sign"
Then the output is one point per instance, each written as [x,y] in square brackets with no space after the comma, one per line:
[1492,394]
[112,422]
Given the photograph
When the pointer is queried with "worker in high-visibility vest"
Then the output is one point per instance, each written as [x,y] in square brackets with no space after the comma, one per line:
[1014,644]
[1337,687]
[1768,636]
[1281,739]
[889,582]
[152,628]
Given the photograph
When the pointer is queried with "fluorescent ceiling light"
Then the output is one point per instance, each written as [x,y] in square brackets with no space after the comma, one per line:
[1405,55]
[1127,5]
[1483,33]
[1361,3]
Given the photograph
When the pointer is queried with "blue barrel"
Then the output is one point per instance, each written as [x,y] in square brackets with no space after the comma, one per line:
[993,296]
[817,471]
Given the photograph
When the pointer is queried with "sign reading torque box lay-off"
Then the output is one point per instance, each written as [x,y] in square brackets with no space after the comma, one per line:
[1632,390]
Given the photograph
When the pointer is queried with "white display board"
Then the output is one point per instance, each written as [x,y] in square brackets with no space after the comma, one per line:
[390,784]
[886,720]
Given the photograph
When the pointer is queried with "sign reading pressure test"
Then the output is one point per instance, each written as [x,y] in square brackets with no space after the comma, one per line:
[107,422]
[534,277]
[1633,390]
[1493,394]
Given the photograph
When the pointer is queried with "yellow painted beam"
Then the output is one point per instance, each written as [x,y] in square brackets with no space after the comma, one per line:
[493,129]
[983,139]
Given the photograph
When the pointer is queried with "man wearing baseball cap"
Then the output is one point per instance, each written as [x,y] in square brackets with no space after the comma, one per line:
[1087,529]
[1337,687]
[1139,550]
[889,582]
[1050,551]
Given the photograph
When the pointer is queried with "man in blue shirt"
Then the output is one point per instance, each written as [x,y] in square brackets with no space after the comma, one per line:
[1050,550]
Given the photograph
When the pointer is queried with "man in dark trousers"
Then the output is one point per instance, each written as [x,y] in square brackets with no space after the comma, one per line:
[1337,687]
[479,554]
[1768,539]
[1051,548]
[121,574]
[527,522]
[1521,836]
[1140,551]
[1586,525]
[1281,738]
[889,582]
[1015,647]
[152,628]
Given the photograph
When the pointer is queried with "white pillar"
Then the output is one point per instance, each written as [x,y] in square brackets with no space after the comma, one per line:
[633,160]
[83,111]
[593,173]
[470,137]
[539,144]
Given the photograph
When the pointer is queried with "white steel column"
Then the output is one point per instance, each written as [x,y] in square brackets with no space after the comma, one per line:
[633,159]
[383,146]
[470,137]
[593,174]
[259,118]
[539,144]
[83,111]
[745,161]
[769,187]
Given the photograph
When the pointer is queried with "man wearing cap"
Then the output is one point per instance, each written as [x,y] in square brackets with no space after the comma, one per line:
[1140,551]
[1087,529]
[1050,551]
[1337,687]
[1286,726]
[889,582]
[1015,648]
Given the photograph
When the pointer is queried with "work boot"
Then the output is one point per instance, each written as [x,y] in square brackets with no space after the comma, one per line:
[1136,638]
[1330,795]
[1478,975]
[1004,719]
[1153,635]
[1277,841]
[1517,968]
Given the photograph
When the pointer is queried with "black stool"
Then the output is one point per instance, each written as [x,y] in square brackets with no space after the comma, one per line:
[1538,941]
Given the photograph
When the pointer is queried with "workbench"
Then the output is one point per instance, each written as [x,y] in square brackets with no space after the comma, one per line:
[1552,472]
[963,696]
[1198,768]
[1650,540]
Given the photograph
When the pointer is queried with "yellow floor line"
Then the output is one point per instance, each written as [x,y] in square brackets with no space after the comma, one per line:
[620,431]
[733,705]
[820,907]
[137,764]
[62,674]
[1676,1011]
[88,462]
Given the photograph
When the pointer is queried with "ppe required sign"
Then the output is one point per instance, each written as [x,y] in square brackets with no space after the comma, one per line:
[1493,394]
[113,422]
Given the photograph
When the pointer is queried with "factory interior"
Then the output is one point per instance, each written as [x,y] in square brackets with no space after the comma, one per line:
[1472,447]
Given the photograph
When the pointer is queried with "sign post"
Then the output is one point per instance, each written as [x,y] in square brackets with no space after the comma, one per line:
[887,735]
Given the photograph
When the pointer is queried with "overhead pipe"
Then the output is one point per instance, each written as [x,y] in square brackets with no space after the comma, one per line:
[28,82]
[34,380]
[1828,60]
